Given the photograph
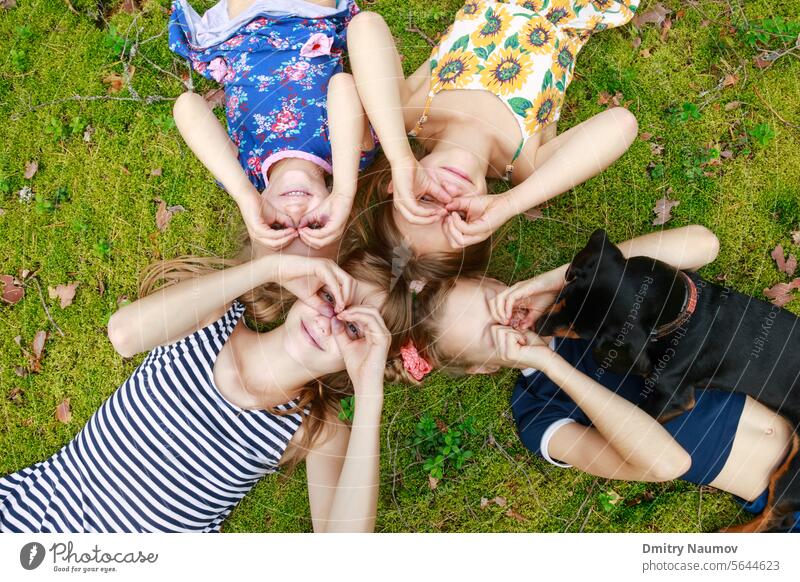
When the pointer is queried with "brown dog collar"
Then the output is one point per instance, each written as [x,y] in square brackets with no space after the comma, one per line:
[689,305]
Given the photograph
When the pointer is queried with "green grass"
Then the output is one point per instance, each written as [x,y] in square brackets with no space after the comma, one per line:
[751,202]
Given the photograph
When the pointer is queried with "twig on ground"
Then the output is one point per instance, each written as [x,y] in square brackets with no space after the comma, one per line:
[46,310]
[71,7]
[586,519]
[583,504]
[775,113]
[416,30]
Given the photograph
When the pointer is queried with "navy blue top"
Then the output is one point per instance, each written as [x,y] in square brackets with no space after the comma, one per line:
[706,432]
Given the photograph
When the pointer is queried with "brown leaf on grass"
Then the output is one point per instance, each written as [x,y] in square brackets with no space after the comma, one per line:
[215,98]
[88,133]
[605,98]
[15,395]
[781,293]
[128,7]
[12,291]
[663,210]
[20,371]
[636,42]
[654,15]
[30,169]
[726,154]
[63,412]
[762,63]
[796,237]
[65,292]
[165,213]
[155,172]
[433,482]
[647,496]
[7,4]
[730,80]
[515,515]
[645,136]
[115,82]
[646,53]
[38,344]
[666,26]
[500,501]
[656,149]
[733,105]
[533,214]
[788,266]
[484,502]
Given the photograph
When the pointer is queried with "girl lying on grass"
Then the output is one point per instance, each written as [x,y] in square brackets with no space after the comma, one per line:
[280,65]
[215,406]
[574,415]
[484,106]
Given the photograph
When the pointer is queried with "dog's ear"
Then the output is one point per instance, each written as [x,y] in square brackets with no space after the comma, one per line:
[599,249]
[623,353]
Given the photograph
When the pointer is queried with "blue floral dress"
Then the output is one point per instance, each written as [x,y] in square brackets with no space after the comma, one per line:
[275,71]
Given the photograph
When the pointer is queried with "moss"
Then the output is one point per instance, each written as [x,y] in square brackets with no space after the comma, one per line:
[750,201]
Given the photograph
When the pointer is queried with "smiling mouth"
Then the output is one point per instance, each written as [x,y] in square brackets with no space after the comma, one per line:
[457,172]
[296,193]
[311,338]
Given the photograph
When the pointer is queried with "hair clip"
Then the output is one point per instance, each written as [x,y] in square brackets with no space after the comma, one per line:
[417,366]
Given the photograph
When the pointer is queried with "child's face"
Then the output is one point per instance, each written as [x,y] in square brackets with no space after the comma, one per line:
[296,187]
[308,337]
[465,325]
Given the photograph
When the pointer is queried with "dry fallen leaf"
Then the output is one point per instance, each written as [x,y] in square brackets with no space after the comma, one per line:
[155,172]
[645,53]
[733,105]
[484,503]
[15,395]
[128,7]
[38,343]
[164,213]
[655,15]
[500,501]
[663,210]
[7,4]
[730,80]
[781,293]
[515,515]
[656,149]
[88,133]
[114,82]
[433,482]
[645,136]
[65,292]
[12,291]
[30,169]
[533,214]
[796,237]
[215,98]
[666,26]
[636,42]
[63,412]
[788,266]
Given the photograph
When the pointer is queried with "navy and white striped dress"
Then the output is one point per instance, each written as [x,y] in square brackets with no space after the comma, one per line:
[166,452]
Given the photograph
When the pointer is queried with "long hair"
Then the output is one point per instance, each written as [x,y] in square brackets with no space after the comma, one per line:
[375,229]
[319,400]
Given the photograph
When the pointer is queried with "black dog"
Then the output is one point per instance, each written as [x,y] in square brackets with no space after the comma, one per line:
[680,331]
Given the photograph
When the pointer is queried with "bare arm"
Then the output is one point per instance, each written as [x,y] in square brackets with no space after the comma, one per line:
[344,494]
[379,78]
[624,443]
[575,156]
[343,474]
[207,138]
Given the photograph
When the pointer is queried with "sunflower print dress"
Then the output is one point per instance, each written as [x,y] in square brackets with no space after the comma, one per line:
[523,51]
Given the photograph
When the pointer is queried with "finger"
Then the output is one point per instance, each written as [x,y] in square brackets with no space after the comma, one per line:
[317,239]
[416,213]
[479,227]
[340,336]
[496,308]
[335,280]
[457,238]
[276,243]
[368,317]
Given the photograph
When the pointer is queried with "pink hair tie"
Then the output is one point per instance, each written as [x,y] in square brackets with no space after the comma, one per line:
[414,364]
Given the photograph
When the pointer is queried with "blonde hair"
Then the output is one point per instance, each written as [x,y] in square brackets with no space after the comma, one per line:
[428,309]
[265,305]
[375,229]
